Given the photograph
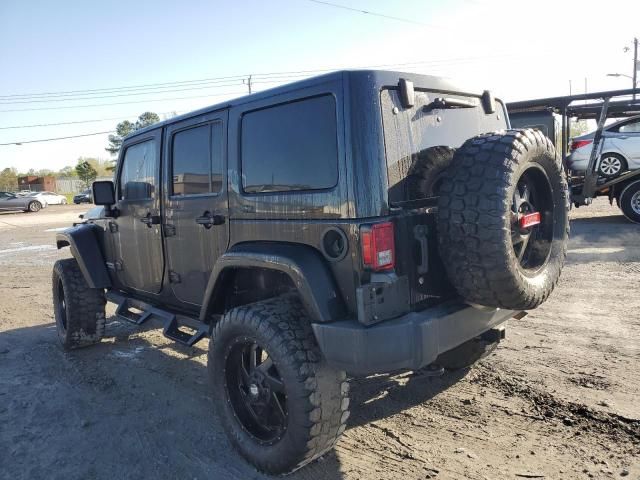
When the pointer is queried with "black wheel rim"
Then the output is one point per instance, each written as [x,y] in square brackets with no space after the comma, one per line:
[255,391]
[62,305]
[532,243]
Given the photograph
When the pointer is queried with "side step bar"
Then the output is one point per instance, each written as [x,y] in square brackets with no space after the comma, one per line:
[172,325]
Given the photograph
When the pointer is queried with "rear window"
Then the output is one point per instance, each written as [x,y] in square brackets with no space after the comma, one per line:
[409,131]
[290,147]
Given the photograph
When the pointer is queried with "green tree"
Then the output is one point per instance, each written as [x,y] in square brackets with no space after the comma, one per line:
[115,141]
[125,128]
[9,179]
[67,171]
[86,172]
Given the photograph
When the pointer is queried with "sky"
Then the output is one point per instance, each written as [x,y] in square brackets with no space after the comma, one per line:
[104,51]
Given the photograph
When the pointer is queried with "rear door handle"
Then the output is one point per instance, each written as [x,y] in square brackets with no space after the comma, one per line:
[207,220]
[150,220]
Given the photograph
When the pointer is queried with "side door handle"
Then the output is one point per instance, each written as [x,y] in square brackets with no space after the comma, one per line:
[150,220]
[207,220]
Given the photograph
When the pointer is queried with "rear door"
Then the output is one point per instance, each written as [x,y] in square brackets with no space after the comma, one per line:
[196,226]
[140,261]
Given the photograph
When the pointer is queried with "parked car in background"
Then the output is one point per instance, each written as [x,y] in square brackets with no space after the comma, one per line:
[11,201]
[83,197]
[620,149]
[49,198]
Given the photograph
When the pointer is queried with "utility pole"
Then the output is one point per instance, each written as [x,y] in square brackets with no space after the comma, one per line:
[248,83]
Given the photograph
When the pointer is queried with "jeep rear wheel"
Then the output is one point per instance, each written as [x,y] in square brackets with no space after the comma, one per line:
[503,219]
[279,403]
[79,309]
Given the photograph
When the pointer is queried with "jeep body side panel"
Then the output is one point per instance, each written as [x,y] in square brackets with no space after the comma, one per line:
[323,203]
[298,216]
[84,240]
[304,266]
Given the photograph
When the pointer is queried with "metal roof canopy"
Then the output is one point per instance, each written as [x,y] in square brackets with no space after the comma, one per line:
[588,110]
[601,109]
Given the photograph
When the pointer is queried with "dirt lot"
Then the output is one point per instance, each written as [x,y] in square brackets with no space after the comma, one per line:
[558,399]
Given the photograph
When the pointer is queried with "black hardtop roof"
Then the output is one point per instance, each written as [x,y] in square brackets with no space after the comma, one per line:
[361,78]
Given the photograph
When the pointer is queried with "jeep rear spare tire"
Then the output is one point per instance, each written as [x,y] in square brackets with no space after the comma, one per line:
[503,219]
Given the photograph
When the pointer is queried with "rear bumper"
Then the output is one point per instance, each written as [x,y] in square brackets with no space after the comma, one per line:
[409,342]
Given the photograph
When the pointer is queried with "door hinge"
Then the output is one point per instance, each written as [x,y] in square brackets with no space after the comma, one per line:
[113,227]
[169,230]
[174,277]
[117,266]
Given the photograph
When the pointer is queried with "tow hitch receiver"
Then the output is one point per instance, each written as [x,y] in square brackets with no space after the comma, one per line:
[530,219]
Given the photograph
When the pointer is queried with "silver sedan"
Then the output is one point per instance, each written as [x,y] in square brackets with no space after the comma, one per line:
[10,201]
[620,149]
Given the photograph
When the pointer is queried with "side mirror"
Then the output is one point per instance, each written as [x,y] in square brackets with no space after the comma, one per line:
[103,193]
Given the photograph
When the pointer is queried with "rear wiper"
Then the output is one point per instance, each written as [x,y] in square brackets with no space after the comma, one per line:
[444,102]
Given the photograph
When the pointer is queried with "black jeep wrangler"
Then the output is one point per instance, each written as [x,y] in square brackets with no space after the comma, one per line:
[349,224]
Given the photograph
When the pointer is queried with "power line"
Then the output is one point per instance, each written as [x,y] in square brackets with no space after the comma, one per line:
[121,103]
[367,12]
[121,117]
[140,86]
[274,77]
[117,95]
[217,80]
[56,138]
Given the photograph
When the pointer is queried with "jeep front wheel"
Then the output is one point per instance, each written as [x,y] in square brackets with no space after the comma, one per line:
[79,309]
[279,403]
[503,219]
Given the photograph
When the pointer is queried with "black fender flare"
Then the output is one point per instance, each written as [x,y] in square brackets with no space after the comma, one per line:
[84,242]
[304,266]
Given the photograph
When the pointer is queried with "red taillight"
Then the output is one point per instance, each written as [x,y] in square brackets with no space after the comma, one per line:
[576,144]
[378,248]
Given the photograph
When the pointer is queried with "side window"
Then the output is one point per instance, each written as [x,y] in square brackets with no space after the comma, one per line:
[138,173]
[197,160]
[290,147]
[632,127]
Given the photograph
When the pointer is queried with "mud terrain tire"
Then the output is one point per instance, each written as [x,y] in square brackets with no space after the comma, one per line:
[426,172]
[79,309]
[494,180]
[315,397]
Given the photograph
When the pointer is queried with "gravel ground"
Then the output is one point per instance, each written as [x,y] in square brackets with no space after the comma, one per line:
[558,398]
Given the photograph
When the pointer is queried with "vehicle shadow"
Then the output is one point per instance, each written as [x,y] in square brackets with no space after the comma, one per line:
[380,396]
[137,405]
[609,238]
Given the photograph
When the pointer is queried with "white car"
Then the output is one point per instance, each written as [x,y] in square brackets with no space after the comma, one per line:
[49,198]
